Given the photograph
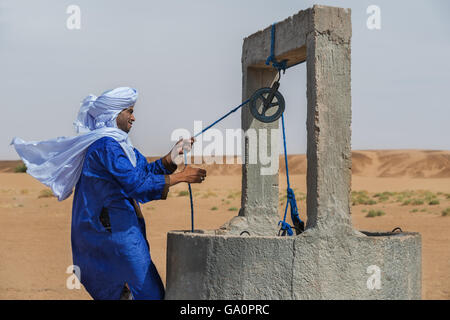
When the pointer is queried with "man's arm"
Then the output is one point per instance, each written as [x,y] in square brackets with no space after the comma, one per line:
[137,182]
[189,175]
[163,165]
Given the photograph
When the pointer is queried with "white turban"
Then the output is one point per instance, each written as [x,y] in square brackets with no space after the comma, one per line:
[102,111]
[58,162]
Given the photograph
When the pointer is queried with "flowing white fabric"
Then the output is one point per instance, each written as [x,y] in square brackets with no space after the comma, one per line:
[57,163]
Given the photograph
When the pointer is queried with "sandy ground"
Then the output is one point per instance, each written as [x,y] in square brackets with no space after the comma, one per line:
[35,247]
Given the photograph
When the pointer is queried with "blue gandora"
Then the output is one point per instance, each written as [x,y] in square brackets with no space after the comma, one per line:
[111,178]
[108,238]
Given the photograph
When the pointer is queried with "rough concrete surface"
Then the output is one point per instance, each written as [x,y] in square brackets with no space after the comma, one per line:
[309,266]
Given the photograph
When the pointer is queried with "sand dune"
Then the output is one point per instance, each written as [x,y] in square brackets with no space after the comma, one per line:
[367,163]
[404,163]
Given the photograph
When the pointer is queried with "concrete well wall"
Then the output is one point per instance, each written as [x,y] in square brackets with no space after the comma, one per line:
[309,266]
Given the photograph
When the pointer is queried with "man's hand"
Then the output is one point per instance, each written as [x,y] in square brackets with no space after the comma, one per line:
[189,175]
[183,144]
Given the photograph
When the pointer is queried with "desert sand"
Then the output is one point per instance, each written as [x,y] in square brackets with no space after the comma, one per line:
[411,189]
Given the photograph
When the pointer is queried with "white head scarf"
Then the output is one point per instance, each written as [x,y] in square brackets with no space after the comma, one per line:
[98,112]
[58,162]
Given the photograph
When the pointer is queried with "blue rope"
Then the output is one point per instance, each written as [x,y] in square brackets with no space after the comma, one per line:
[215,122]
[291,201]
[190,195]
[281,65]
[185,156]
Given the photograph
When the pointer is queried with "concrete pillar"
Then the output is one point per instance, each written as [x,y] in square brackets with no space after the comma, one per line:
[329,120]
[259,202]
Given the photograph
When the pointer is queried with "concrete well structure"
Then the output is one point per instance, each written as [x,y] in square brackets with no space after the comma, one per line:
[330,260]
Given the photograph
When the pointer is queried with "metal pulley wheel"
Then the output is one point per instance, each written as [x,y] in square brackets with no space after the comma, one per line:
[267,104]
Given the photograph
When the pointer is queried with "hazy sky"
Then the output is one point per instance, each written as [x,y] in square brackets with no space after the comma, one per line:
[184,57]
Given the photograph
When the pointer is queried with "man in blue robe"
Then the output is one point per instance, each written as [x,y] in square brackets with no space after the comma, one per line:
[109,241]
[110,177]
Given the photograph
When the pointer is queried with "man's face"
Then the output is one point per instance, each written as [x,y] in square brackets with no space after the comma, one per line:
[125,119]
